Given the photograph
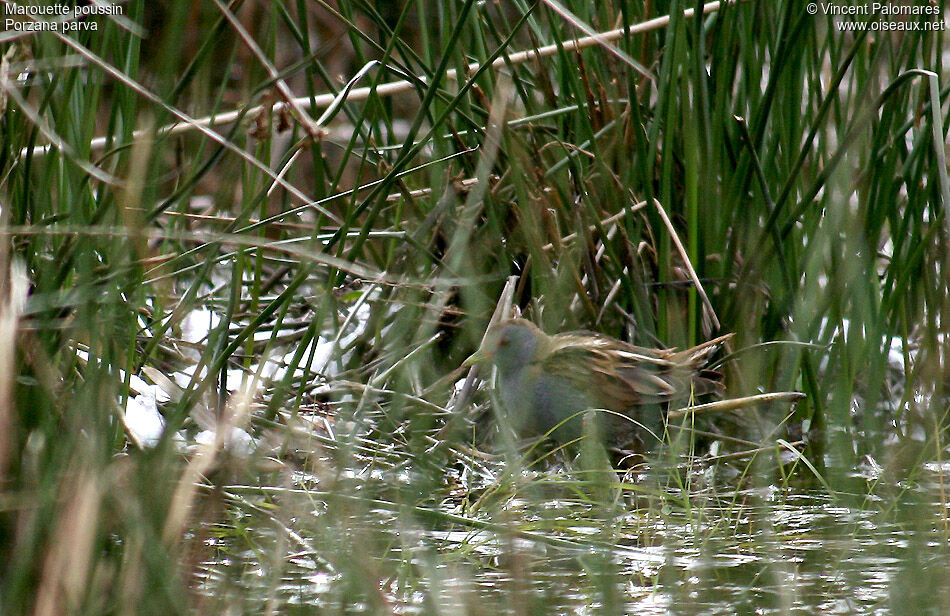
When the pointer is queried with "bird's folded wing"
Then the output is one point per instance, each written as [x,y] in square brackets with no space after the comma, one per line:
[619,378]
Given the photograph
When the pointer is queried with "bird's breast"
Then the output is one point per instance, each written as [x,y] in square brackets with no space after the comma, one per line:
[537,402]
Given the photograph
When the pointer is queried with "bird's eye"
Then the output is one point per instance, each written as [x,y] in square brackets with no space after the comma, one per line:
[504,342]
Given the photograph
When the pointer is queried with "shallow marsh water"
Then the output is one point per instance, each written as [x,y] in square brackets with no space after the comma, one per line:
[379,543]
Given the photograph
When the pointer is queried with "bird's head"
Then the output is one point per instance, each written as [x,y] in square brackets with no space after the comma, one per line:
[510,345]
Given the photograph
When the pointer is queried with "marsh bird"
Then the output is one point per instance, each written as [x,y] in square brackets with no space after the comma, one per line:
[546,382]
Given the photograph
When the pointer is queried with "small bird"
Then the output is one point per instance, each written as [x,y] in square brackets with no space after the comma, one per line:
[546,382]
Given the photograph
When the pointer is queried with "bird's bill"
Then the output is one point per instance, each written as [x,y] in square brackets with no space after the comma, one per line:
[478,357]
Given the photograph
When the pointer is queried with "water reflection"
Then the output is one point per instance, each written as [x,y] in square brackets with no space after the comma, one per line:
[379,544]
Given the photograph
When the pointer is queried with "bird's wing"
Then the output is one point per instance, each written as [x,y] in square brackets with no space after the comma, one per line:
[619,375]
